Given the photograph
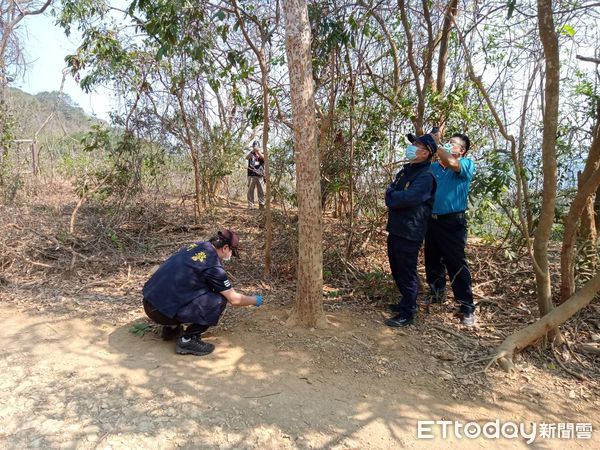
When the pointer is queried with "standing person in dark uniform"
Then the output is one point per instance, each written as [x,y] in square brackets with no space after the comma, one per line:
[409,200]
[256,171]
[447,230]
[191,287]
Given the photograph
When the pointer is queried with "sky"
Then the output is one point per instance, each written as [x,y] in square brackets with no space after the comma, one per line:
[46,46]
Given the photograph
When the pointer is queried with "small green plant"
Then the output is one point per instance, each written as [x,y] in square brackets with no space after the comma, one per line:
[140,329]
[331,294]
[114,239]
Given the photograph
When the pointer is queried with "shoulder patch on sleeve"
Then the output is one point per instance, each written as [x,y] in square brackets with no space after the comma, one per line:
[200,257]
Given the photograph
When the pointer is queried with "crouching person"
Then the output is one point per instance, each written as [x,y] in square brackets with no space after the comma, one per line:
[191,288]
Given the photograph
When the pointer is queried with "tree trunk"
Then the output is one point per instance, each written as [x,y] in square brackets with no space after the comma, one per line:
[418,118]
[308,308]
[189,140]
[264,71]
[549,40]
[583,203]
[265,139]
[351,165]
[589,235]
[443,56]
[35,162]
[531,333]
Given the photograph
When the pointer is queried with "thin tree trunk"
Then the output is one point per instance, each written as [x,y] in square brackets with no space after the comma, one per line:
[308,308]
[265,139]
[428,81]
[194,154]
[443,55]
[477,81]
[264,71]
[351,164]
[549,40]
[588,185]
[588,234]
[518,155]
[417,119]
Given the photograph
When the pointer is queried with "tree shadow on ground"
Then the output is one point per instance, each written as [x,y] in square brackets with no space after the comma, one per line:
[74,383]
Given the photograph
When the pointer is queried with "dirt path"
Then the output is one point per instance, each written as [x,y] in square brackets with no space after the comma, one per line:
[86,383]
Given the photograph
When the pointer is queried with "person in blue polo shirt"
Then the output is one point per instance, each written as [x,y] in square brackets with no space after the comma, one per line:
[191,287]
[447,229]
[409,200]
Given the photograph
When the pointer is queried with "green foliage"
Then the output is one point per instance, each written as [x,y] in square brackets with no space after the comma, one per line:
[114,239]
[510,8]
[567,30]
[254,110]
[78,12]
[329,32]
[7,127]
[140,329]
[12,183]
[492,180]
[118,163]
[283,167]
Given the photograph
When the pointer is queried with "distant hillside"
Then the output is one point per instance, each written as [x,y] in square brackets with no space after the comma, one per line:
[31,111]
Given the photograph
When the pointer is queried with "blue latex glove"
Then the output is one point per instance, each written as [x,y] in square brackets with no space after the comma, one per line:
[259,300]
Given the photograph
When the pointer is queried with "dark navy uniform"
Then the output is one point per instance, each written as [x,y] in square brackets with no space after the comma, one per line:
[409,200]
[186,286]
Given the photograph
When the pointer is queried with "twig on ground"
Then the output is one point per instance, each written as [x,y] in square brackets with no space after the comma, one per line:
[577,375]
[92,284]
[360,342]
[262,396]
[574,354]
[478,360]
[453,333]
[444,339]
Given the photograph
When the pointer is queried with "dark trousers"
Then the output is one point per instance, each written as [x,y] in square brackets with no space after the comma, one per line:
[403,255]
[155,315]
[445,250]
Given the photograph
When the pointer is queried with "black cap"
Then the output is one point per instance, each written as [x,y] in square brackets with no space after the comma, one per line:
[428,141]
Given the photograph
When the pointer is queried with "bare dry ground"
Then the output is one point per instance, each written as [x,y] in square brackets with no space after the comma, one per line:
[73,376]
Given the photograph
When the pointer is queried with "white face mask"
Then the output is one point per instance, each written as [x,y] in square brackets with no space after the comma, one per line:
[455,149]
[227,258]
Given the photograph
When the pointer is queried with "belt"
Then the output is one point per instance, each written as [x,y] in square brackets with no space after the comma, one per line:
[456,215]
